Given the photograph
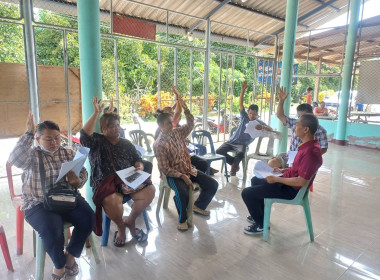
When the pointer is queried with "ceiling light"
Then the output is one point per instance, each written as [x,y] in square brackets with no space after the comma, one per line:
[190,36]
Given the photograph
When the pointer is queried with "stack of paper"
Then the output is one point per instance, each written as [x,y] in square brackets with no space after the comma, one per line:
[263,170]
[251,129]
[75,165]
[132,178]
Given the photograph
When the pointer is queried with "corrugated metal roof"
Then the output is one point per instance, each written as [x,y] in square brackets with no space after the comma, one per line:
[256,15]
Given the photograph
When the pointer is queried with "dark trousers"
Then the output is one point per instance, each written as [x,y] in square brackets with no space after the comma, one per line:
[227,147]
[49,226]
[199,163]
[254,196]
[208,186]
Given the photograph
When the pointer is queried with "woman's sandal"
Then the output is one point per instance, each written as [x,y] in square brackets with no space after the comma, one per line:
[117,244]
[140,236]
[58,277]
[72,270]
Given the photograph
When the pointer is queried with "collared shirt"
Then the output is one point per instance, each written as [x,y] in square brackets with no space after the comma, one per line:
[320,134]
[240,137]
[171,152]
[307,161]
[105,157]
[25,156]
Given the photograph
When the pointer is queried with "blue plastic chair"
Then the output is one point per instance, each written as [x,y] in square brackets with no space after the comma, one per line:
[107,222]
[300,199]
[199,136]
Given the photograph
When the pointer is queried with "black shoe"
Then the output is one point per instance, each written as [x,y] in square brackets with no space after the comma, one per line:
[253,229]
[250,220]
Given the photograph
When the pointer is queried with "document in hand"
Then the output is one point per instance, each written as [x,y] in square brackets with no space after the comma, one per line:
[75,165]
[263,170]
[251,129]
[132,178]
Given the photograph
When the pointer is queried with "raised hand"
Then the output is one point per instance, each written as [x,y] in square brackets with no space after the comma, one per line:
[282,95]
[30,123]
[244,86]
[98,108]
[175,91]
[110,108]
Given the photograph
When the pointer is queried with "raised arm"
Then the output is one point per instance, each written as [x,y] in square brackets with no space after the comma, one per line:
[21,154]
[177,108]
[241,98]
[188,127]
[280,108]
[89,126]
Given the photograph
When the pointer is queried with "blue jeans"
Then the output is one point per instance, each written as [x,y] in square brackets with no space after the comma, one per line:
[49,226]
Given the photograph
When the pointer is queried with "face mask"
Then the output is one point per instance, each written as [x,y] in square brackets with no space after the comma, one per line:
[46,150]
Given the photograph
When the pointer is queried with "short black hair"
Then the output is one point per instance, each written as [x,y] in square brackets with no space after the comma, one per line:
[253,107]
[46,125]
[309,89]
[310,121]
[161,115]
[305,108]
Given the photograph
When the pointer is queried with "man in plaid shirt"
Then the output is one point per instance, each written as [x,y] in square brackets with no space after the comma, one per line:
[281,159]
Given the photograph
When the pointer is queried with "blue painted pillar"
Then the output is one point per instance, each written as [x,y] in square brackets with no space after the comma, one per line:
[287,63]
[340,135]
[90,63]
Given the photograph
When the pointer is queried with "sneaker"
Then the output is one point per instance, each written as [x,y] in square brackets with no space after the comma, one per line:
[183,226]
[250,220]
[253,229]
[199,211]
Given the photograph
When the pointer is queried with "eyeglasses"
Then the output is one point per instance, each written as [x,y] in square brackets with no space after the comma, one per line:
[51,140]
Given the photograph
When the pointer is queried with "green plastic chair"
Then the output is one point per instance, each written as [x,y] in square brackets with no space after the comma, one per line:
[300,199]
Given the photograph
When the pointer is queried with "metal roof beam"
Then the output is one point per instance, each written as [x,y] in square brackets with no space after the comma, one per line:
[330,6]
[259,12]
[208,15]
[305,16]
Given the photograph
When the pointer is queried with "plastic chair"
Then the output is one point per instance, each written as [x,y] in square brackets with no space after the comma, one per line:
[17,201]
[4,248]
[272,136]
[107,222]
[199,136]
[137,137]
[41,253]
[300,199]
[165,193]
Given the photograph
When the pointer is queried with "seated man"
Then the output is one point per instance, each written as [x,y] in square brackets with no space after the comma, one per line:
[306,164]
[281,159]
[174,161]
[240,140]
[321,110]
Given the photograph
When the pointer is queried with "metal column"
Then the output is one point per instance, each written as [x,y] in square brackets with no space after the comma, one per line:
[287,63]
[90,62]
[206,73]
[30,59]
[340,135]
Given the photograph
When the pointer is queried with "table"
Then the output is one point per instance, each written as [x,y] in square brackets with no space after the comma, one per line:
[360,116]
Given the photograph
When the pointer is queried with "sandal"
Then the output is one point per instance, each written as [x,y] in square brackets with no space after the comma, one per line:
[73,270]
[58,277]
[117,244]
[140,236]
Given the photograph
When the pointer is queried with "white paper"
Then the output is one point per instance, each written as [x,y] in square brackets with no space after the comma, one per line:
[75,165]
[191,147]
[132,178]
[251,129]
[291,157]
[140,150]
[263,170]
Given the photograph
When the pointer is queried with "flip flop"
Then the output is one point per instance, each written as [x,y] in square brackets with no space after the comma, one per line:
[74,268]
[58,277]
[140,236]
[114,241]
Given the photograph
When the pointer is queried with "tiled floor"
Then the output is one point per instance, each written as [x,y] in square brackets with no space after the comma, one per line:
[345,210]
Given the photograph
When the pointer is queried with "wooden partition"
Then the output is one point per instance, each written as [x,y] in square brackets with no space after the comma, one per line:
[14,98]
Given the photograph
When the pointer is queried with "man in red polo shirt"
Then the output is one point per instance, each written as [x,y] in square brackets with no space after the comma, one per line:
[305,165]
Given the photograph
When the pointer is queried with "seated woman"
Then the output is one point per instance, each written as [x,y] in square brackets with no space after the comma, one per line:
[108,154]
[174,161]
[49,225]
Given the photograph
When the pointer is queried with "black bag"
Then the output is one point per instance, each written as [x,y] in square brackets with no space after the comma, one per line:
[61,198]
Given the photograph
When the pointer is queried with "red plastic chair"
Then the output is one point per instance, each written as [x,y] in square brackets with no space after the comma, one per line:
[17,201]
[4,248]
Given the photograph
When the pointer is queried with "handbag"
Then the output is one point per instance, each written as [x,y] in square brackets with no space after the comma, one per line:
[61,198]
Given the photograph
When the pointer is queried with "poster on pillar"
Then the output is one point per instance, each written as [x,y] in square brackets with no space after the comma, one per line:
[265,72]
